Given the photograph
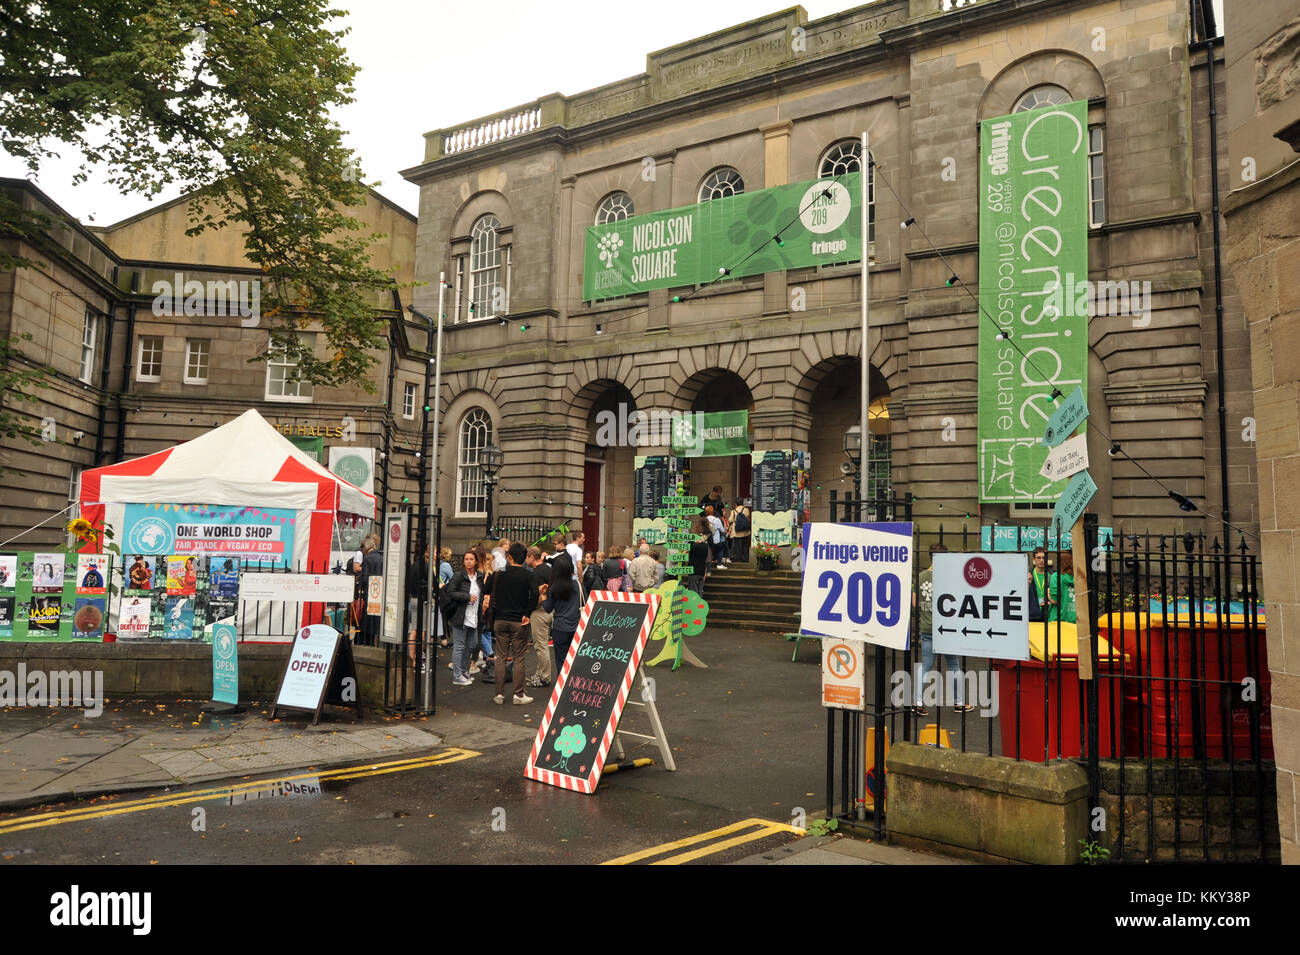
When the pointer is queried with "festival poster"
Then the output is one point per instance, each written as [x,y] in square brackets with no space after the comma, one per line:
[43,614]
[8,571]
[223,579]
[183,575]
[179,623]
[88,618]
[92,574]
[140,574]
[7,617]
[47,573]
[133,618]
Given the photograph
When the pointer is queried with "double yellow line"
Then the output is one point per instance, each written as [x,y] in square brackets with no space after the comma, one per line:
[761,829]
[41,820]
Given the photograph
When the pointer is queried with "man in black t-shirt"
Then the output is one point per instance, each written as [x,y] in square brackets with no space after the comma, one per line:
[540,621]
[514,600]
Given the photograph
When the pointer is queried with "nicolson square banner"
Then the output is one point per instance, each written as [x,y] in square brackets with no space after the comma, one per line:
[688,245]
[1033,254]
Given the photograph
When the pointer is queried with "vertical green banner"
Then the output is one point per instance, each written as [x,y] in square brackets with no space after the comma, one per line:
[1033,273]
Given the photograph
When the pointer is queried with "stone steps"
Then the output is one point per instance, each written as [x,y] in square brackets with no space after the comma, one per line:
[745,598]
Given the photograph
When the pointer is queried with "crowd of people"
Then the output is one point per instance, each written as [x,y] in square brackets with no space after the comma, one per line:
[506,603]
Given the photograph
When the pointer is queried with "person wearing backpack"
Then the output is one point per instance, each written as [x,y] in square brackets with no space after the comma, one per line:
[740,516]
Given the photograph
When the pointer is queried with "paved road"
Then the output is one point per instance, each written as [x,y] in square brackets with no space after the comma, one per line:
[747,733]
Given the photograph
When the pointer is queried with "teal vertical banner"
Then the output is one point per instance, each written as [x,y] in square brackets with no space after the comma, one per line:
[225,664]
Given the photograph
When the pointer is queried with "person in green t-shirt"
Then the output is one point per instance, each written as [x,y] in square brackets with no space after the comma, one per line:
[1062,592]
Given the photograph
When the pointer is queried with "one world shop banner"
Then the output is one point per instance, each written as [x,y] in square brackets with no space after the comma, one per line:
[1033,258]
[251,534]
[818,222]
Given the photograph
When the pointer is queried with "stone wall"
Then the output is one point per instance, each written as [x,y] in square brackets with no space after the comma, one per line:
[1262,246]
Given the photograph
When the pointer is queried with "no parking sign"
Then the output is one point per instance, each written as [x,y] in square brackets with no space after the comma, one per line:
[857,582]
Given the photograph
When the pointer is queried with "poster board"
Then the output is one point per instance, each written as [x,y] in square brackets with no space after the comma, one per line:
[654,479]
[50,596]
[395,532]
[591,690]
[316,672]
[778,488]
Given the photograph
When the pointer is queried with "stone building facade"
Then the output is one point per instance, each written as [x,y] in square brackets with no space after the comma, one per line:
[124,381]
[1262,209]
[505,201]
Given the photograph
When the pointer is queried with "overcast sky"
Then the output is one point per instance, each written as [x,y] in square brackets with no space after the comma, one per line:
[430,65]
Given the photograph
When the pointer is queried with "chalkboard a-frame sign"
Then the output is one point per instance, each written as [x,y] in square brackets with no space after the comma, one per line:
[320,661]
[592,688]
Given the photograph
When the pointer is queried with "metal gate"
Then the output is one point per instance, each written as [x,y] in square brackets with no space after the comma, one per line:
[1173,730]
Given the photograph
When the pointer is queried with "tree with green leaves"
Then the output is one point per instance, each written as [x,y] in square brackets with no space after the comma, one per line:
[227,99]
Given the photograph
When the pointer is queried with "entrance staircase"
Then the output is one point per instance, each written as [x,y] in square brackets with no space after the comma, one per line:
[745,598]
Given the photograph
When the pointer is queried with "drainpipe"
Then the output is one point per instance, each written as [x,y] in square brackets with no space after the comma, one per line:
[388,417]
[101,415]
[1208,43]
[126,368]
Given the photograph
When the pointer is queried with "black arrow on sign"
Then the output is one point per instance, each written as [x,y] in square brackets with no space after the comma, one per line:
[997,633]
[947,629]
[967,633]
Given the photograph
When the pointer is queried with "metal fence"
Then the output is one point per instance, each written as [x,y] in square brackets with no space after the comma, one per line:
[1173,731]
[533,530]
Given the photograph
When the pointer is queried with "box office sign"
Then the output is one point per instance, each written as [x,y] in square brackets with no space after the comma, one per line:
[817,222]
[243,533]
[1033,262]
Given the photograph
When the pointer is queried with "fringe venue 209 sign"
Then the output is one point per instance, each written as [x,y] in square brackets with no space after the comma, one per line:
[591,690]
[1033,259]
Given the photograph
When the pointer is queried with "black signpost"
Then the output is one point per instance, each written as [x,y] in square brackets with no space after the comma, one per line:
[591,690]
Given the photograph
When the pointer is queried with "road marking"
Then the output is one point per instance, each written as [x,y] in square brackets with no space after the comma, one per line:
[765,828]
[86,813]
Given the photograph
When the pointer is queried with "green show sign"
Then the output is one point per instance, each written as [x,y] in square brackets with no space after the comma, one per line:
[711,434]
[1033,252]
[818,222]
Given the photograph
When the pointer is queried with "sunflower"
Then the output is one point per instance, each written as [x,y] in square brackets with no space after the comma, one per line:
[83,530]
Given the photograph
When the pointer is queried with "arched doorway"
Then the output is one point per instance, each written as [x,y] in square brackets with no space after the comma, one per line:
[717,389]
[608,468]
[835,407]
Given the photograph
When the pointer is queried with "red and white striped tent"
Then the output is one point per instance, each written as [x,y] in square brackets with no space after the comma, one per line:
[243,463]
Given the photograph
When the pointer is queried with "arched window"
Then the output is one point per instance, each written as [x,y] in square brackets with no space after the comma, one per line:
[1047,95]
[475,434]
[843,157]
[721,183]
[485,267]
[615,206]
